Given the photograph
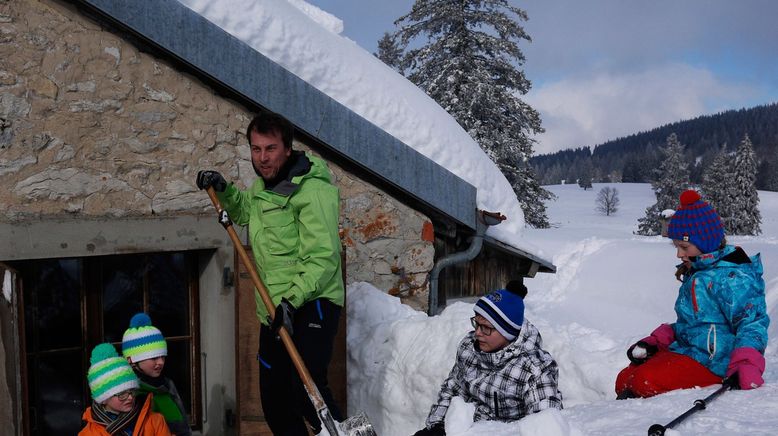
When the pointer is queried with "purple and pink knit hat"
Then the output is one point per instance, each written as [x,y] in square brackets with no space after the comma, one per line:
[697,222]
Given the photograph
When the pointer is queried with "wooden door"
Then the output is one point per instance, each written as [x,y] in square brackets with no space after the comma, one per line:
[250,419]
[11,389]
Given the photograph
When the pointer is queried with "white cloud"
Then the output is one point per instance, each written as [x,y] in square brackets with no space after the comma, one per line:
[586,111]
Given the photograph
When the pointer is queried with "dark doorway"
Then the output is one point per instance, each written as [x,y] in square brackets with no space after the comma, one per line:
[70,305]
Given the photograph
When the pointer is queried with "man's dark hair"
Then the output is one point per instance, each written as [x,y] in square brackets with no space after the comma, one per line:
[267,122]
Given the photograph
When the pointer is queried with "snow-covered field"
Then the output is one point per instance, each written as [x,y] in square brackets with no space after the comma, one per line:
[611,289]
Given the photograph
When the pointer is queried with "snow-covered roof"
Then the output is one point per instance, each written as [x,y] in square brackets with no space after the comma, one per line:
[338,93]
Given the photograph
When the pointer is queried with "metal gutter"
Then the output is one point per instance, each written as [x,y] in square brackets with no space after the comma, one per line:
[483,222]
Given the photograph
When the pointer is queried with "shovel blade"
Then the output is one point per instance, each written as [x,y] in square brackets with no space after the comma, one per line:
[357,425]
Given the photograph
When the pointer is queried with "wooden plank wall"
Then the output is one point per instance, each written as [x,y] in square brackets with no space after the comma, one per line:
[490,270]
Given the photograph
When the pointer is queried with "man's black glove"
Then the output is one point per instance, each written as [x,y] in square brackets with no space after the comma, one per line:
[208,178]
[641,351]
[284,317]
[436,430]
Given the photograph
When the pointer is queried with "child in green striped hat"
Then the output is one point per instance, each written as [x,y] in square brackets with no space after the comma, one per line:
[146,350]
[114,388]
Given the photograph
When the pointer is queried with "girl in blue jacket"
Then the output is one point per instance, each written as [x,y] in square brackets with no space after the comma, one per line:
[721,330]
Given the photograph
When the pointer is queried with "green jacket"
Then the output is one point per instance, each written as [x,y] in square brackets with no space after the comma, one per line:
[293,230]
[167,401]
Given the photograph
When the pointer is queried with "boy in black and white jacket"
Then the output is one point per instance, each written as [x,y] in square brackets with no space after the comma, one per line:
[500,366]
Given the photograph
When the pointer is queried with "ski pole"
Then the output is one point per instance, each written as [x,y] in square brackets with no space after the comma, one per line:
[659,429]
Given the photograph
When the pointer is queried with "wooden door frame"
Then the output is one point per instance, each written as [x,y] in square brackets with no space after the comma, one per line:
[15,357]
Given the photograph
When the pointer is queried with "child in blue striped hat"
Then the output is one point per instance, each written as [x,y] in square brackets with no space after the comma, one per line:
[114,408]
[500,365]
[146,350]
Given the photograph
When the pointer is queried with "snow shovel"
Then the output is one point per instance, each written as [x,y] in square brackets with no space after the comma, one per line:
[659,429]
[357,425]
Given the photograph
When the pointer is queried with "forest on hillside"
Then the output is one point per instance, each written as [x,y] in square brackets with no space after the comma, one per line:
[635,158]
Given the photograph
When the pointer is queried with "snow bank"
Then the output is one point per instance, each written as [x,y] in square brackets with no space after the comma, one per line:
[612,288]
[398,357]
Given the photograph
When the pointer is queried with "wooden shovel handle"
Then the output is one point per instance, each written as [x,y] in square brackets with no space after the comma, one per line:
[305,376]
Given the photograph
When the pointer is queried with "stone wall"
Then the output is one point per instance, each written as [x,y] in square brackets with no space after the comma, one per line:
[387,244]
[91,127]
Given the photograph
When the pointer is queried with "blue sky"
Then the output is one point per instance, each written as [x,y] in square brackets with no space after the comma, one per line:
[607,68]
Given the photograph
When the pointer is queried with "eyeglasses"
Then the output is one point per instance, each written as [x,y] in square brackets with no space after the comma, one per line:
[127,394]
[485,329]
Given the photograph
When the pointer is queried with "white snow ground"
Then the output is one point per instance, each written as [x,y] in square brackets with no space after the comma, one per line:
[611,289]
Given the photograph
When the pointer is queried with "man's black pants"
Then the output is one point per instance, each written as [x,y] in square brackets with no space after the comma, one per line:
[284,400]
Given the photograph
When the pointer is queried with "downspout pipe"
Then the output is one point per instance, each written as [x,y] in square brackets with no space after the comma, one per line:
[484,220]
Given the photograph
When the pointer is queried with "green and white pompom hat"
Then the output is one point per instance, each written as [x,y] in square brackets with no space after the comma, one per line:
[143,341]
[109,374]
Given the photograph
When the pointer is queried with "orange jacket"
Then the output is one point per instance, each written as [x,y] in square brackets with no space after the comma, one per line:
[149,423]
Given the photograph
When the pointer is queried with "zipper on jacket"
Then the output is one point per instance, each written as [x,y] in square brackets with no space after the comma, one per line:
[712,346]
[694,296]
[496,405]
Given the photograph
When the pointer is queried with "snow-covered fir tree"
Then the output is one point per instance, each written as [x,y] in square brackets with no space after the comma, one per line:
[530,194]
[746,219]
[717,184]
[772,178]
[586,174]
[389,51]
[465,55]
[670,179]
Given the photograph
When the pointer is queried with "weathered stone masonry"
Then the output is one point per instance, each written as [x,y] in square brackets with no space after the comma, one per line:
[90,127]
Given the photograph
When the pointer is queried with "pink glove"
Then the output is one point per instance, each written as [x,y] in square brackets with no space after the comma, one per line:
[748,365]
[661,337]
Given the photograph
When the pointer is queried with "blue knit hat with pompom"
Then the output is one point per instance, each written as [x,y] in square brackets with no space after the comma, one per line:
[143,341]
[504,310]
[697,222]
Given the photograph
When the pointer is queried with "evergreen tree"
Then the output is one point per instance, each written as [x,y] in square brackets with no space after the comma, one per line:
[716,185]
[772,179]
[671,178]
[465,55]
[764,174]
[390,52]
[585,176]
[770,172]
[746,219]
[597,175]
[632,171]
[553,176]
[531,196]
